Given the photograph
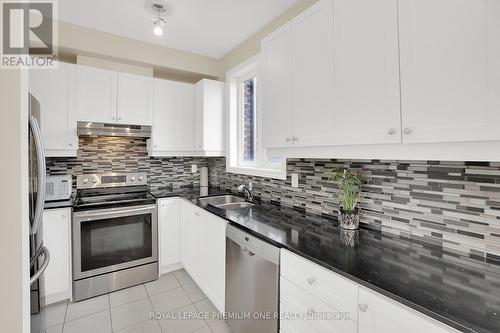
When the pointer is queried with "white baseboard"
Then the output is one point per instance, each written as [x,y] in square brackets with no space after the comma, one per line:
[55,298]
[170,268]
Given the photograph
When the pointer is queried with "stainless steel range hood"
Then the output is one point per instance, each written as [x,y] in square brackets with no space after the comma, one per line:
[103,129]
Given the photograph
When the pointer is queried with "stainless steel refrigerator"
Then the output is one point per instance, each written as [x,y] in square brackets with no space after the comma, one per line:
[39,255]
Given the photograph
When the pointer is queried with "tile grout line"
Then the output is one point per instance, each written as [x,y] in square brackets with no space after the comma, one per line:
[65,314]
[109,309]
[152,306]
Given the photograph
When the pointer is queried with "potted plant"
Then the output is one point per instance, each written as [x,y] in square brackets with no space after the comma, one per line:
[350,183]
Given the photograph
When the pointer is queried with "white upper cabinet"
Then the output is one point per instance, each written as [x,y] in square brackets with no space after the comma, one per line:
[380,314]
[173,119]
[111,97]
[367,94]
[312,76]
[276,89]
[135,99]
[297,99]
[96,94]
[450,70]
[209,117]
[55,90]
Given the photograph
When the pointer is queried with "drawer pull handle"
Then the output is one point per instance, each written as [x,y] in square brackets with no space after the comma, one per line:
[311,280]
[363,307]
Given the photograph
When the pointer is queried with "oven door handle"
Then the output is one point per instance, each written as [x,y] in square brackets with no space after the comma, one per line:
[113,213]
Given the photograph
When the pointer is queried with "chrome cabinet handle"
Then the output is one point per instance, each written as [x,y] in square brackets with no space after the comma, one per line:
[363,307]
[288,139]
[119,118]
[391,131]
[294,138]
[113,118]
[311,280]
[407,131]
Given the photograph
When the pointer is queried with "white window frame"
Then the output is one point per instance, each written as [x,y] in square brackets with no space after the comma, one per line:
[261,167]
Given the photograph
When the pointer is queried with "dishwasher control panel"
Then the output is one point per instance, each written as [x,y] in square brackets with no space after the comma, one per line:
[252,245]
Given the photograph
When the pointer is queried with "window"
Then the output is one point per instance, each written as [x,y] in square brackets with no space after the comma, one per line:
[248,116]
[245,155]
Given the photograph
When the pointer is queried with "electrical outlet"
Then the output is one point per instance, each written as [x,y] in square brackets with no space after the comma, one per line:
[295,180]
[194,168]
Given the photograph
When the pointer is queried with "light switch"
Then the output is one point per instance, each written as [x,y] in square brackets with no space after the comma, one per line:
[194,168]
[295,180]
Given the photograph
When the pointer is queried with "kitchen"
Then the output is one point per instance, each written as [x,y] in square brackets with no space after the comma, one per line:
[320,166]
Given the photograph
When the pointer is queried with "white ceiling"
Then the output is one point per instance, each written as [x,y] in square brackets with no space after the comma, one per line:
[207,27]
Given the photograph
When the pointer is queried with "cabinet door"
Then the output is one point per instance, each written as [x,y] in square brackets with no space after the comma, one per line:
[96,94]
[213,243]
[55,90]
[135,99]
[450,70]
[173,116]
[209,116]
[384,315]
[169,231]
[312,76]
[276,89]
[56,280]
[190,239]
[367,99]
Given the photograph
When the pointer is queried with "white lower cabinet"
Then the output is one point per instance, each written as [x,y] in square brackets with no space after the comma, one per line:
[56,235]
[379,314]
[203,251]
[325,301]
[169,233]
[314,299]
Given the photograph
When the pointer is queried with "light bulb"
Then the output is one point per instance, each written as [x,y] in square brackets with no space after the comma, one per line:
[158,31]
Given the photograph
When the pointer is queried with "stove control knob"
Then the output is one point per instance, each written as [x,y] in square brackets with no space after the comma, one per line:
[132,179]
[94,181]
[85,180]
[141,178]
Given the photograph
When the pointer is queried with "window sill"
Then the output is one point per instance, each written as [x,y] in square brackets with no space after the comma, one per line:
[259,172]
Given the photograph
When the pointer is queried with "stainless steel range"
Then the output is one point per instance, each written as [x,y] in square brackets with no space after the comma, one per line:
[115,234]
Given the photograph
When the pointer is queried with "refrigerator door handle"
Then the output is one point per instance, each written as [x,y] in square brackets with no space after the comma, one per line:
[46,258]
[41,175]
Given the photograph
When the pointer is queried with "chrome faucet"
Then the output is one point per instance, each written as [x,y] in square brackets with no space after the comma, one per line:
[247,189]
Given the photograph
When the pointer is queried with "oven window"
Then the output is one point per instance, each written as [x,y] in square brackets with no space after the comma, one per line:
[115,241]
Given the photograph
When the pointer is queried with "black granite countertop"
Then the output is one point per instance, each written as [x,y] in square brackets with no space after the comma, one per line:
[449,286]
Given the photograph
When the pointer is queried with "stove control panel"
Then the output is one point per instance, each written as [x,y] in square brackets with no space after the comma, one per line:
[111,180]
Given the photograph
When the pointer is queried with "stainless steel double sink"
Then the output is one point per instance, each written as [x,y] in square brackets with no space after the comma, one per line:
[226,201]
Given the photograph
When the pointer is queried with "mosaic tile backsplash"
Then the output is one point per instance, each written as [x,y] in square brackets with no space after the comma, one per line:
[119,154]
[452,204]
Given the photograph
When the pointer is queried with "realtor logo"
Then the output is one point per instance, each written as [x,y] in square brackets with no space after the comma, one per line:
[29,32]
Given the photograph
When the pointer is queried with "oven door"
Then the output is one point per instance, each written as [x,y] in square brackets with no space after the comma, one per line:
[107,240]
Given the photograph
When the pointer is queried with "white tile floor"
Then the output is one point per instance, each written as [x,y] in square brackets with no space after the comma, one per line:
[129,310]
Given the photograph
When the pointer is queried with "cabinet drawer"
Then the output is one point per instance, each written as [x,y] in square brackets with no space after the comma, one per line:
[289,324]
[316,313]
[334,290]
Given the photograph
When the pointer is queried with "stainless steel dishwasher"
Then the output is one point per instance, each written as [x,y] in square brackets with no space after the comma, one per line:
[252,283]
